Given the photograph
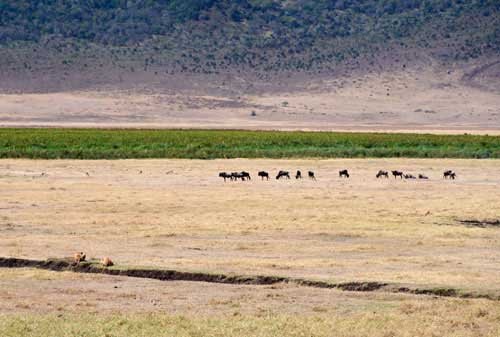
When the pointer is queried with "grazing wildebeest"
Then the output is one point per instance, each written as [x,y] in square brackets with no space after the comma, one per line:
[449,174]
[344,173]
[311,175]
[397,174]
[382,174]
[225,175]
[241,175]
[298,175]
[246,175]
[236,176]
[263,174]
[409,176]
[282,174]
[421,176]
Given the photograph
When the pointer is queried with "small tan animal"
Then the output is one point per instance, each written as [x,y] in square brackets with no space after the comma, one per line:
[106,262]
[79,257]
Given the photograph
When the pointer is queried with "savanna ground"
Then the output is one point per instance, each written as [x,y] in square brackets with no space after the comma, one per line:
[426,97]
[178,214]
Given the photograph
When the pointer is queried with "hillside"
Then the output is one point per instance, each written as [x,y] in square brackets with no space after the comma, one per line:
[369,65]
[91,42]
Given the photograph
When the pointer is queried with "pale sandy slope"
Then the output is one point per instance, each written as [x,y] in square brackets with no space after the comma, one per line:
[417,99]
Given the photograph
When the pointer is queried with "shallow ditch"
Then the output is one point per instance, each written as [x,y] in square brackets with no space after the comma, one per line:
[480,223]
[173,275]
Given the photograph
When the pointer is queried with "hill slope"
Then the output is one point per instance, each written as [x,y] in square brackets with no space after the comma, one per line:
[87,42]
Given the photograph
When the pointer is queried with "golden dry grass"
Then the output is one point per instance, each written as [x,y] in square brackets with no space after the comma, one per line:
[179,214]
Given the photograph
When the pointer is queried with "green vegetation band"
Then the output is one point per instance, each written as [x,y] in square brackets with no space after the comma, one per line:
[212,144]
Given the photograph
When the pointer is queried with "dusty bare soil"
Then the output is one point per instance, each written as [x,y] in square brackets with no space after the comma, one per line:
[426,98]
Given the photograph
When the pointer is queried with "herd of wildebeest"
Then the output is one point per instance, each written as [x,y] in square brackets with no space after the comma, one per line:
[243,175]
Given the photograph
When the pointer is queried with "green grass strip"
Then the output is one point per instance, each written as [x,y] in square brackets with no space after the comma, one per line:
[212,144]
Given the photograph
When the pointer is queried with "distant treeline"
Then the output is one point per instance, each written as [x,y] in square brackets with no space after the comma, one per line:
[212,144]
[210,35]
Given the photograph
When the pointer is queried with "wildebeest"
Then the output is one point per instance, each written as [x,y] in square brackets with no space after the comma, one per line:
[382,173]
[344,173]
[246,175]
[263,174]
[240,175]
[449,174]
[282,174]
[397,174]
[409,176]
[311,175]
[298,175]
[225,175]
[421,176]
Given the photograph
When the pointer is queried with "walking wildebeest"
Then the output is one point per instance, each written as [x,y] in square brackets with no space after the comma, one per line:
[382,173]
[449,174]
[263,174]
[282,174]
[298,175]
[246,175]
[225,175]
[397,174]
[421,176]
[241,175]
[409,176]
[236,176]
[311,175]
[344,173]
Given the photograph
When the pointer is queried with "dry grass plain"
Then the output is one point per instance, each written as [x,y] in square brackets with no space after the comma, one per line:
[178,214]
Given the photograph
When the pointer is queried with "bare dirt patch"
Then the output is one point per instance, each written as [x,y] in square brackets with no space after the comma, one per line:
[424,98]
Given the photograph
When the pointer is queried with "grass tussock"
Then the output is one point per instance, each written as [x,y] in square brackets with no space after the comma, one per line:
[211,144]
[411,318]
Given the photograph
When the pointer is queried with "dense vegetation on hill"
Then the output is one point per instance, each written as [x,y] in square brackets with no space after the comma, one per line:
[206,36]
[200,144]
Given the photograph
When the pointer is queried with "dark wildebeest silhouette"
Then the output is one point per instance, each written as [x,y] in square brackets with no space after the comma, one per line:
[311,175]
[263,174]
[421,176]
[449,174]
[382,174]
[237,175]
[282,174]
[409,176]
[298,175]
[225,175]
[246,175]
[344,173]
[241,175]
[397,174]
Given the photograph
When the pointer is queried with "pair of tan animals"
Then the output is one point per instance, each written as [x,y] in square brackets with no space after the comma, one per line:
[80,257]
